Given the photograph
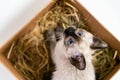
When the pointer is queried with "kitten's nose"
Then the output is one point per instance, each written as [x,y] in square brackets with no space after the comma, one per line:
[77,57]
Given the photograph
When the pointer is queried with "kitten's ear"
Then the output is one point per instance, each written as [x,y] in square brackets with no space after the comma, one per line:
[98,43]
[49,36]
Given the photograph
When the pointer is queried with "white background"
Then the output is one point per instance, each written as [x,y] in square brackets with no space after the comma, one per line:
[14,14]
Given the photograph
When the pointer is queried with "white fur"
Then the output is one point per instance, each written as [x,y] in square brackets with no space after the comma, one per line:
[65,70]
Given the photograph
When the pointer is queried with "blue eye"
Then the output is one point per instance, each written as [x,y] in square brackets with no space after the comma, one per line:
[80,33]
[69,42]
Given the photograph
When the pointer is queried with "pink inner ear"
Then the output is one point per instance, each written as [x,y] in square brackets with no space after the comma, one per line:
[95,43]
[98,44]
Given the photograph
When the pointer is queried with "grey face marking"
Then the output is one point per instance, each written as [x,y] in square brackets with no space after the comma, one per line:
[71,32]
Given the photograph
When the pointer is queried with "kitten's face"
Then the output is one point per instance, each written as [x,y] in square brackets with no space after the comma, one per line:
[77,43]
[74,44]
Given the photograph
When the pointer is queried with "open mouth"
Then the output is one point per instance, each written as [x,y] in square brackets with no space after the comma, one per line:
[79,62]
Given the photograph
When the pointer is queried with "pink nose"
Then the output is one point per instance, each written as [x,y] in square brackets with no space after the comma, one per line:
[77,57]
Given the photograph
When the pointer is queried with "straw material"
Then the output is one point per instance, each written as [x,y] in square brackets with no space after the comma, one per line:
[31,53]
[103,62]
